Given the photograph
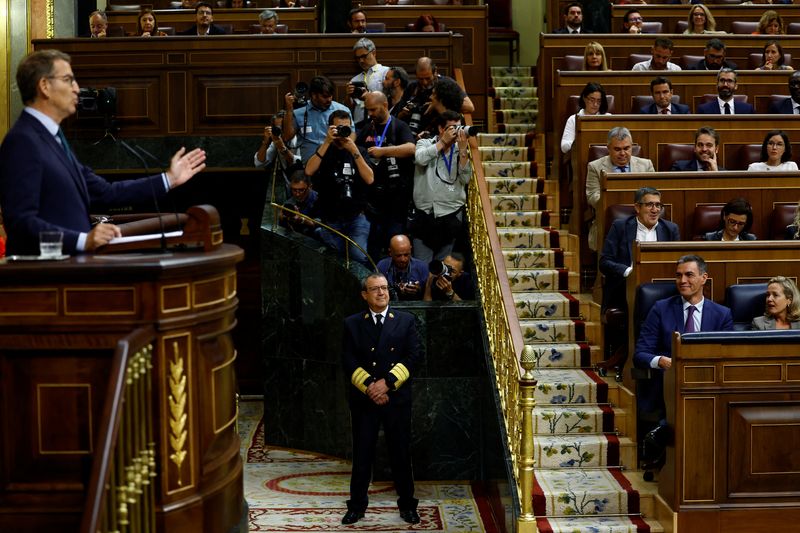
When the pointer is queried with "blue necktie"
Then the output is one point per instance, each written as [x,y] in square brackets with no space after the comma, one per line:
[65,145]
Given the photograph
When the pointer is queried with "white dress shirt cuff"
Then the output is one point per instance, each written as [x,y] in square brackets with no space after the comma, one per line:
[654,361]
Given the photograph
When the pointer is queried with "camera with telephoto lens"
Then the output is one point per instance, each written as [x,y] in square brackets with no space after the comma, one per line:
[300,95]
[276,131]
[359,88]
[343,130]
[471,131]
[440,269]
[103,101]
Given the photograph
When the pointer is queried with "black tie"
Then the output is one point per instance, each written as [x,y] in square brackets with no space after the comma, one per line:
[727,108]
[379,322]
[65,144]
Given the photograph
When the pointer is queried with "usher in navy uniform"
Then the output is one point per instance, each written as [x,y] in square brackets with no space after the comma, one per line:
[372,353]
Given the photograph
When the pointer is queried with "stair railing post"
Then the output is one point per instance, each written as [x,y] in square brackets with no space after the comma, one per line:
[527,389]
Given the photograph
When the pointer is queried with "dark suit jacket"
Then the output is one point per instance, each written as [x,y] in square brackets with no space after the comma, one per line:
[214,30]
[566,30]
[786,107]
[41,189]
[368,357]
[712,108]
[655,338]
[652,109]
[617,252]
[688,165]
[717,236]
[702,65]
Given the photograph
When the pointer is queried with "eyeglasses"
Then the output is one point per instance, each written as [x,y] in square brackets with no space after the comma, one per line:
[772,144]
[379,288]
[204,12]
[69,79]
[652,205]
[362,56]
[299,191]
[732,222]
[635,19]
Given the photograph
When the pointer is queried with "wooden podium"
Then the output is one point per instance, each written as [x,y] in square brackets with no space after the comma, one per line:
[733,401]
[60,322]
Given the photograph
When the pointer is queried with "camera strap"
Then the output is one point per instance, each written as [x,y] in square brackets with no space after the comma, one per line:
[379,139]
[448,161]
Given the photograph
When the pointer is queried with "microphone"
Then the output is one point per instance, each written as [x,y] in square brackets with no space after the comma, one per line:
[139,158]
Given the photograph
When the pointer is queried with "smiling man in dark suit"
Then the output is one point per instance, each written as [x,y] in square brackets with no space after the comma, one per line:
[380,355]
[706,149]
[688,311]
[725,103]
[43,187]
[661,91]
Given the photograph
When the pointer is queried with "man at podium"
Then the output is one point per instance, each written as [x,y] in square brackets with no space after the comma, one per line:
[43,187]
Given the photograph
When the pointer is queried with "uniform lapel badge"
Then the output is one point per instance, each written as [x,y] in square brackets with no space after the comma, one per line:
[391,315]
[366,316]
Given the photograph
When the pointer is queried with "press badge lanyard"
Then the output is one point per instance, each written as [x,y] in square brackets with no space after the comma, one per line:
[382,137]
[448,161]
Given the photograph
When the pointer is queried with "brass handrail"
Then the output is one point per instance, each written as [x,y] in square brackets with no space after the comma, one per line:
[121,491]
[316,222]
[506,342]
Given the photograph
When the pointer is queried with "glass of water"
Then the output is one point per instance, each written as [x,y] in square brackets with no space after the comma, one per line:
[50,243]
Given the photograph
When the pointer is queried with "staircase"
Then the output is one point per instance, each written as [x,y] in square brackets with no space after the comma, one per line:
[581,421]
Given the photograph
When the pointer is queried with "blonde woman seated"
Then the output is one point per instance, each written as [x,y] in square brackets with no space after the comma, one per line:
[772,57]
[591,102]
[793,230]
[594,57]
[783,308]
[776,154]
[701,21]
[770,23]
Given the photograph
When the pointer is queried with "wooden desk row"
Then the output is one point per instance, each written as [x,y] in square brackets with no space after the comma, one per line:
[690,86]
[553,48]
[670,15]
[230,84]
[470,21]
[653,134]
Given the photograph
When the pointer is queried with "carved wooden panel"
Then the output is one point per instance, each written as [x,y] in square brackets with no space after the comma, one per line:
[699,449]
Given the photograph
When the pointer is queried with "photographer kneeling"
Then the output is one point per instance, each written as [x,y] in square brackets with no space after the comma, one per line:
[447,281]
[340,175]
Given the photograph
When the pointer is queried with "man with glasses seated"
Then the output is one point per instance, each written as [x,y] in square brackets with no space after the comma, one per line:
[714,57]
[616,258]
[632,21]
[706,148]
[726,104]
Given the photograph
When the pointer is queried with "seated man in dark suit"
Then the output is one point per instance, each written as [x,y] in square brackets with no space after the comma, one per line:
[616,258]
[790,106]
[725,103]
[573,19]
[706,148]
[686,312]
[661,91]
[714,57]
[204,14]
[43,187]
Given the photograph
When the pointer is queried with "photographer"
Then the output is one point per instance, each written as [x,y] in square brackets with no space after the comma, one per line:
[447,280]
[310,118]
[303,200]
[272,144]
[441,176]
[417,110]
[406,275]
[390,146]
[394,87]
[340,174]
[370,79]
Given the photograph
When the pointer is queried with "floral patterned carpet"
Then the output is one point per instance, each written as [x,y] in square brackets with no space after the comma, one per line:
[292,490]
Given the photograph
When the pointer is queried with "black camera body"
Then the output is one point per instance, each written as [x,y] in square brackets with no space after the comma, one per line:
[276,131]
[103,101]
[359,88]
[343,130]
[440,269]
[300,95]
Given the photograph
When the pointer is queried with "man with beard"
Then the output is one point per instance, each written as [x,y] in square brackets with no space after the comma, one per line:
[418,95]
[725,103]
[790,106]
[573,20]
[713,57]
[340,174]
[394,87]
[310,122]
[390,145]
[706,147]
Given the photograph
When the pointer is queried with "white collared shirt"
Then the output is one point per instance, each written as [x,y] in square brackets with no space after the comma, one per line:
[645,234]
[722,103]
[697,318]
[383,313]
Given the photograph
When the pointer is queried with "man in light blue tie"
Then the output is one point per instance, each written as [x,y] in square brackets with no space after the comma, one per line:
[688,311]
[620,158]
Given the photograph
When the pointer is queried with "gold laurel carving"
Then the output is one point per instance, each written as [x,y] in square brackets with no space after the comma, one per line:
[177,410]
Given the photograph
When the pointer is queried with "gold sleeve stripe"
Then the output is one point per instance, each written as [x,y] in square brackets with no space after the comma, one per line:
[401,373]
[358,378]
